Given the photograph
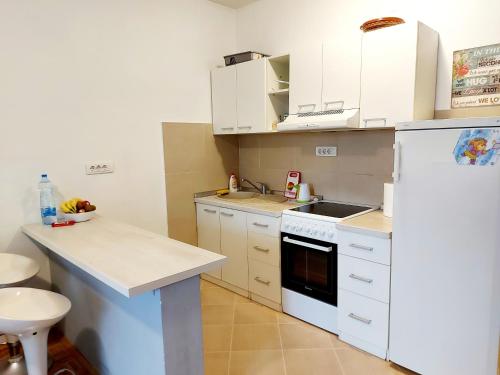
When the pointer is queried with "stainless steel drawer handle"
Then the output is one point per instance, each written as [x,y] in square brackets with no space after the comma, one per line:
[361,247]
[261,225]
[360,278]
[226,214]
[259,280]
[244,127]
[309,245]
[209,211]
[228,128]
[258,248]
[359,318]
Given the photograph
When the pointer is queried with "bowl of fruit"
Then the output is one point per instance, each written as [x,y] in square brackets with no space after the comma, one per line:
[78,210]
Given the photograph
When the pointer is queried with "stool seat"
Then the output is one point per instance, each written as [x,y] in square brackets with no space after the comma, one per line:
[16,269]
[26,309]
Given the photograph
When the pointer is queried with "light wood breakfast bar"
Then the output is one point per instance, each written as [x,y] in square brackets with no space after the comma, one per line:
[135,295]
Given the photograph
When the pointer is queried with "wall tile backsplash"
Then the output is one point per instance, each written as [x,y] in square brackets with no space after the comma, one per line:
[363,163]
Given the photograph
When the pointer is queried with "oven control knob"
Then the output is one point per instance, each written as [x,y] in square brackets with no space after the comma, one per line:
[330,234]
[314,232]
[299,229]
[323,234]
[294,227]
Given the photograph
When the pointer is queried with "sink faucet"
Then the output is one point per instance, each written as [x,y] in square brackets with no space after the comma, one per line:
[262,189]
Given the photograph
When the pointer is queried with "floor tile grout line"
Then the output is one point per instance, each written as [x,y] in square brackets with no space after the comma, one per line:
[339,362]
[232,335]
[281,344]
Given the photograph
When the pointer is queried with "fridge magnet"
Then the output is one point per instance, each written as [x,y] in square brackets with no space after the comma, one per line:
[476,77]
[478,147]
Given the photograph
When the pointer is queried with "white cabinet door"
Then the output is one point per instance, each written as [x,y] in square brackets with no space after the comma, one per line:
[207,218]
[251,96]
[306,79]
[224,117]
[234,246]
[388,75]
[341,72]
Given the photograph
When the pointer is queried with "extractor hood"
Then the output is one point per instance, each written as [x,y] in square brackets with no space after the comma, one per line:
[315,121]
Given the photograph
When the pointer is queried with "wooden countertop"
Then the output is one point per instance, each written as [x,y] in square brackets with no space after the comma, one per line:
[126,258]
[373,223]
[252,205]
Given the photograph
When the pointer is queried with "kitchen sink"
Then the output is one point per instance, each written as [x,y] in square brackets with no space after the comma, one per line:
[239,195]
[272,198]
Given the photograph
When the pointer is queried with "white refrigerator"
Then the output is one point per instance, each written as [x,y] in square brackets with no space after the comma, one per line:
[445,281]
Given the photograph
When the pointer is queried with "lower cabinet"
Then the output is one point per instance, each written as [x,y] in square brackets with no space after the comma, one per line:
[233,244]
[251,242]
[364,284]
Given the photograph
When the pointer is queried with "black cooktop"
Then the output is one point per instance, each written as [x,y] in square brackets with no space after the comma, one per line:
[331,209]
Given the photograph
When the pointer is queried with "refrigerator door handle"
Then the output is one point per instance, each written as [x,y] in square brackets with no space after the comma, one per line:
[397,161]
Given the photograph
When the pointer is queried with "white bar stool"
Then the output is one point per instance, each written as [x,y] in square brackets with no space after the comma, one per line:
[14,271]
[29,314]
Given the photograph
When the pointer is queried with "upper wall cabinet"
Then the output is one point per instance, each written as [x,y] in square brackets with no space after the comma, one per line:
[239,98]
[251,96]
[326,76]
[341,72]
[398,74]
[306,79]
[224,115]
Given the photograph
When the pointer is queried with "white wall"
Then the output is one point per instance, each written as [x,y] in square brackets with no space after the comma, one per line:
[93,80]
[276,26]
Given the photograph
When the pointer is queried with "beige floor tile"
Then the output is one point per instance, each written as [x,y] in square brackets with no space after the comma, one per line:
[241,299]
[356,362]
[252,313]
[217,314]
[217,296]
[337,343]
[260,362]
[312,362]
[204,284]
[296,336]
[256,337]
[288,319]
[216,363]
[217,337]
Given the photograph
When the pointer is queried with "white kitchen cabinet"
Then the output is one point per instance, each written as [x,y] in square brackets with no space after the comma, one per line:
[233,244]
[306,79]
[224,116]
[364,284]
[208,225]
[398,74]
[341,72]
[251,96]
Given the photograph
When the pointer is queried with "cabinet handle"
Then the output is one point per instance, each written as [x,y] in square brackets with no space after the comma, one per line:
[361,247]
[258,248]
[261,225]
[303,106]
[226,214]
[397,162]
[359,318]
[367,120]
[209,211]
[228,128]
[360,278]
[259,280]
[244,127]
[340,105]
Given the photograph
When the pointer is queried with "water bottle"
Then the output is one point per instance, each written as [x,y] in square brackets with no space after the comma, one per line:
[47,201]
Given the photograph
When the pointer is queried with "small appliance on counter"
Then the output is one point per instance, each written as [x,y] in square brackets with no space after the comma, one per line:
[304,193]
[237,58]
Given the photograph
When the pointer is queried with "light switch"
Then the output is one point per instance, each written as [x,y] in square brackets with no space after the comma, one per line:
[326,151]
[99,167]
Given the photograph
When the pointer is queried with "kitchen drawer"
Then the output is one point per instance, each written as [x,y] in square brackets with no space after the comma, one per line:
[265,280]
[363,277]
[264,224]
[363,318]
[264,248]
[366,247]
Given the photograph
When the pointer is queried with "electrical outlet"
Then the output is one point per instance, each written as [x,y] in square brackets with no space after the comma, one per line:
[99,167]
[326,151]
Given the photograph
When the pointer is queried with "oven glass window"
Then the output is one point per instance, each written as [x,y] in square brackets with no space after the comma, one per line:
[309,267]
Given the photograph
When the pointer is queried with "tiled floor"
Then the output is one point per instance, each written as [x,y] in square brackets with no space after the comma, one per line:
[244,338]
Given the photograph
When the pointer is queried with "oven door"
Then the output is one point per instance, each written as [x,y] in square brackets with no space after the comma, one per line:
[309,267]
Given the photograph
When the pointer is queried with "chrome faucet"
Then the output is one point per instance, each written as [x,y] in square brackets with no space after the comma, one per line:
[262,189]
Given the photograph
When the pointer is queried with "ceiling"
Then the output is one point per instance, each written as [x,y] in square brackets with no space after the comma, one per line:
[235,4]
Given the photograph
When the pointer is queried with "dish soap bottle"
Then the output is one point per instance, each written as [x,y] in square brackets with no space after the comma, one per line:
[233,183]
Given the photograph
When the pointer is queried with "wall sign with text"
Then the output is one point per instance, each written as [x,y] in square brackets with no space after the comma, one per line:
[476,77]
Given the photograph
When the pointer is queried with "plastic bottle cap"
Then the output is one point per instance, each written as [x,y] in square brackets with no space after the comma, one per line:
[44,175]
